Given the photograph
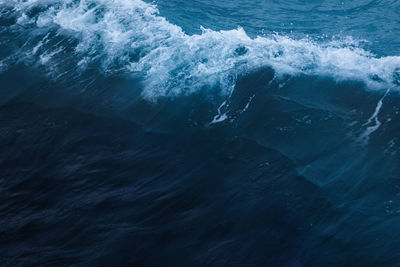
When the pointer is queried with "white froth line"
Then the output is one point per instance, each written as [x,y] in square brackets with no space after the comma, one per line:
[220,116]
[247,105]
[364,138]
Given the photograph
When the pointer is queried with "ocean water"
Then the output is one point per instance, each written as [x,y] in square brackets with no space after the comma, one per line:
[192,133]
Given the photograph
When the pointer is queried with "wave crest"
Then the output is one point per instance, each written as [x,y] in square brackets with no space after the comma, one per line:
[131,36]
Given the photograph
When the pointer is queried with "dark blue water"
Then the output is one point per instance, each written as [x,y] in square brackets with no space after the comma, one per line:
[192,133]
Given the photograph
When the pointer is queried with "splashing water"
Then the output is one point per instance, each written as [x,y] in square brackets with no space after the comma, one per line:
[130,36]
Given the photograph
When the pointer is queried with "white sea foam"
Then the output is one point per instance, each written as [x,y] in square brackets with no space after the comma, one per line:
[132,36]
[220,117]
[364,138]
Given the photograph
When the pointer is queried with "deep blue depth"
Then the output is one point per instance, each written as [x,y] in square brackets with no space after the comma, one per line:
[193,133]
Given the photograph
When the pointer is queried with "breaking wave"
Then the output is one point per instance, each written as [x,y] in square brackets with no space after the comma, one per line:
[130,36]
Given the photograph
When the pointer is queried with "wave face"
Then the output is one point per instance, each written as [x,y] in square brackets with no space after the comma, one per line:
[199,132]
[131,36]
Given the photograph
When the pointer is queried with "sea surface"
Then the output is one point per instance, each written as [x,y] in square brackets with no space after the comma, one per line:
[199,133]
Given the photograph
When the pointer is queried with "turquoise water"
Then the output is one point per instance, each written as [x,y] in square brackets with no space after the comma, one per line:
[374,23]
[199,133]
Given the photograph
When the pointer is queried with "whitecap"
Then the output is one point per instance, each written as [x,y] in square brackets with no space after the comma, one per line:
[130,35]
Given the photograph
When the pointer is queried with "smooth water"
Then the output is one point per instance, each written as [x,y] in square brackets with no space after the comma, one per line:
[191,133]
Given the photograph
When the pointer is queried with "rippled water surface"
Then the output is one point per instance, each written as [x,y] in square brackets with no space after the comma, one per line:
[201,132]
